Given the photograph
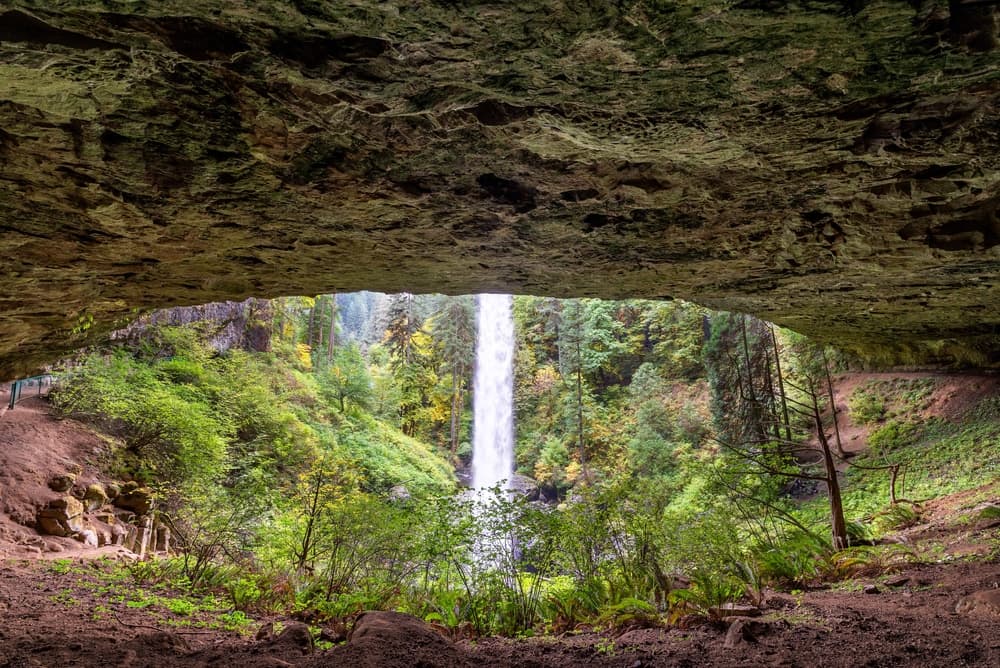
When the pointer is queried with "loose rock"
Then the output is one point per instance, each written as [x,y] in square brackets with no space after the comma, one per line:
[62,483]
[986,602]
[62,517]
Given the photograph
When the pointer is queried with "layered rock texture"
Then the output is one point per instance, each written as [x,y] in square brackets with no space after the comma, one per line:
[828,166]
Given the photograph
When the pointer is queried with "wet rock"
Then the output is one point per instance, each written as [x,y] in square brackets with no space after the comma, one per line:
[746,630]
[871,589]
[399,493]
[793,240]
[139,535]
[897,581]
[118,534]
[295,635]
[88,536]
[162,538]
[265,632]
[524,486]
[394,639]
[987,517]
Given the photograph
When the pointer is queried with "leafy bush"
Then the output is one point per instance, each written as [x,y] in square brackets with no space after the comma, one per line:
[892,436]
[868,560]
[866,406]
[566,603]
[797,559]
[709,592]
[387,458]
[629,613]
[896,516]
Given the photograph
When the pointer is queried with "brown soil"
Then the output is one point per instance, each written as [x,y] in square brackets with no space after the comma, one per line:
[952,396]
[34,447]
[52,620]
[53,616]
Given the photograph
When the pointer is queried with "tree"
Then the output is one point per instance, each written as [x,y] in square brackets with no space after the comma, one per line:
[571,362]
[404,323]
[411,360]
[764,416]
[346,380]
[454,332]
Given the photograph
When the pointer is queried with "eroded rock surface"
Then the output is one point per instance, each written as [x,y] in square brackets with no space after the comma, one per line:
[829,166]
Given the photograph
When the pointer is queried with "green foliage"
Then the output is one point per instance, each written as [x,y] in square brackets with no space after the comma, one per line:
[284,472]
[892,436]
[896,516]
[797,559]
[566,602]
[873,560]
[709,592]
[990,513]
[387,457]
[629,613]
[866,407]
[170,431]
[344,381]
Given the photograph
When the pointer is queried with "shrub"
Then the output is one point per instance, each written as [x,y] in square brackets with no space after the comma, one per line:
[896,516]
[869,560]
[893,435]
[797,559]
[866,406]
[709,592]
[629,613]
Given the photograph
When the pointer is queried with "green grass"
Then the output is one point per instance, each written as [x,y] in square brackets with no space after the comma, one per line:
[939,457]
[114,587]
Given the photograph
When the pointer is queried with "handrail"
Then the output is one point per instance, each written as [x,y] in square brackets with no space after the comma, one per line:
[18,385]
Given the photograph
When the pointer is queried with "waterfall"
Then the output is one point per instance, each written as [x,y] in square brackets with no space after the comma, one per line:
[493,392]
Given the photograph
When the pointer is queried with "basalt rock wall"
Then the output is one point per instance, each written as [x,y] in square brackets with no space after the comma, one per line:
[832,167]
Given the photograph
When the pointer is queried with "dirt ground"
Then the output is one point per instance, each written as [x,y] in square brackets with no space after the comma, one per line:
[48,619]
[55,614]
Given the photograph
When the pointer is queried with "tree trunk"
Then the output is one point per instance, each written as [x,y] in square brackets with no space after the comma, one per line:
[309,327]
[307,539]
[772,405]
[833,407]
[757,421]
[331,339]
[781,387]
[579,411]
[838,525]
[319,324]
[456,394]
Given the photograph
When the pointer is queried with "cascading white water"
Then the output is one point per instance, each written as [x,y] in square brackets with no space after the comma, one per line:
[493,393]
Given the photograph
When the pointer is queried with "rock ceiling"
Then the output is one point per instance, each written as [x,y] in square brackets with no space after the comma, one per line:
[829,166]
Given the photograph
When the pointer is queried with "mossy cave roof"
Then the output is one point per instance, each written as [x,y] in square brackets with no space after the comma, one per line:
[831,167]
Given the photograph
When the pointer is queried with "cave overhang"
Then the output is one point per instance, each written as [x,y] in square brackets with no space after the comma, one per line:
[831,167]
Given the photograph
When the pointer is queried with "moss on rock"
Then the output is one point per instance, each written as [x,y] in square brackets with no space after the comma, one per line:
[834,171]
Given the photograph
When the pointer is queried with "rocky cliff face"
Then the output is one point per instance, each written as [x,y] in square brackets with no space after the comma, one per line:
[223,325]
[830,167]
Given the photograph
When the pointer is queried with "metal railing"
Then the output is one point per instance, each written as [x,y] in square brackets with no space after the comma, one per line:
[17,387]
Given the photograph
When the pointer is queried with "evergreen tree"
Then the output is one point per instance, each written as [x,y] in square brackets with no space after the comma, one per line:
[454,332]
